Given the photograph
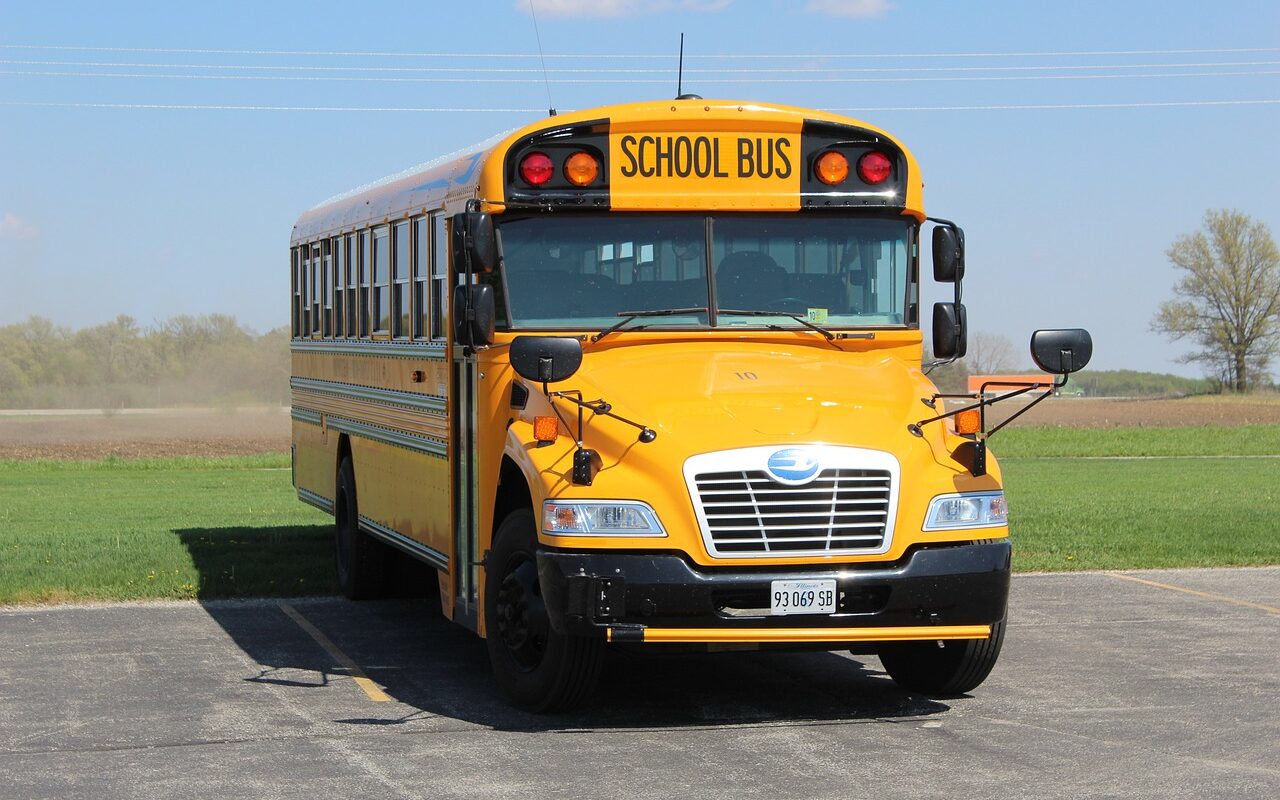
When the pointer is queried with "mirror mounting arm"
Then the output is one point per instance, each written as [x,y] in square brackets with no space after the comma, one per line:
[603,408]
[980,444]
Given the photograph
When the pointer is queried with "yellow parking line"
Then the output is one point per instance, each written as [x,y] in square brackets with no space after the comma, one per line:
[362,680]
[1209,595]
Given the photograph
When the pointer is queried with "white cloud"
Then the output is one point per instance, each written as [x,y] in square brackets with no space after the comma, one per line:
[13,226]
[616,8]
[850,8]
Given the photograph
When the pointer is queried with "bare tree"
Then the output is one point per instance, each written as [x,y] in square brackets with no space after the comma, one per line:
[990,354]
[1228,299]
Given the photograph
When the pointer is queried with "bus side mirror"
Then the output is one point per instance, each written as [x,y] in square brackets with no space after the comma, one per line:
[1061,352]
[473,241]
[948,254]
[545,359]
[950,339]
[474,314]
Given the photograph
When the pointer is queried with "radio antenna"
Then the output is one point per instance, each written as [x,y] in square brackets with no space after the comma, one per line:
[680,69]
[551,108]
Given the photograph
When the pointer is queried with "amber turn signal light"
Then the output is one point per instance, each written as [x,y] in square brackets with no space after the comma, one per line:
[832,168]
[968,421]
[581,168]
[546,429]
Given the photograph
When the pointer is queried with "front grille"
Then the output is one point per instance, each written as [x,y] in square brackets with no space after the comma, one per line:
[840,511]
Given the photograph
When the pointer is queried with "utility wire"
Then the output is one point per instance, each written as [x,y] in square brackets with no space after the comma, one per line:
[631,71]
[634,81]
[661,56]
[1011,107]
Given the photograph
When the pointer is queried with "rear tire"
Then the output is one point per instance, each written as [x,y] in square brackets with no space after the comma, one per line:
[944,668]
[537,669]
[360,561]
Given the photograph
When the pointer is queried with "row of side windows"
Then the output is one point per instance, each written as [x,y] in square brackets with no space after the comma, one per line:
[385,282]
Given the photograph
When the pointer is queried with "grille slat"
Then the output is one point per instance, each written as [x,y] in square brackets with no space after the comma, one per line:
[840,510]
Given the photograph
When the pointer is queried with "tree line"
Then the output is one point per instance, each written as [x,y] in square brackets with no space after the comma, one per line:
[209,359]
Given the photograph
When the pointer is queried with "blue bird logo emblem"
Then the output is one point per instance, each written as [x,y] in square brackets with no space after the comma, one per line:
[793,466]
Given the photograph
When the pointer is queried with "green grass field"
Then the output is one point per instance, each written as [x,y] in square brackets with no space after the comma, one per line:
[158,528]
[231,527]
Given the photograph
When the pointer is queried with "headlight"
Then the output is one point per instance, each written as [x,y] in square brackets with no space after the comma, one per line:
[977,510]
[599,518]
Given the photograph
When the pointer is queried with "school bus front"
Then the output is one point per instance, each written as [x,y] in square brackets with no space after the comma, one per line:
[651,375]
[699,402]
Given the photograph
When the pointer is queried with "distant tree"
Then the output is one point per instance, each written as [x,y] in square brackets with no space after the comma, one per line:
[990,354]
[950,377]
[1228,299]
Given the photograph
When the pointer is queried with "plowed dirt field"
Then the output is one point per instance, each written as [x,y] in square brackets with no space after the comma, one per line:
[136,433]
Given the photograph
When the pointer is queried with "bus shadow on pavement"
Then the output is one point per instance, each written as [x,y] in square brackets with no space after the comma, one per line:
[440,670]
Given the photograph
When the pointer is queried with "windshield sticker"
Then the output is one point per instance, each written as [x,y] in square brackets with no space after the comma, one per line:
[818,316]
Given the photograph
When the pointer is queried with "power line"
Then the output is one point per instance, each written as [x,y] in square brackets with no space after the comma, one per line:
[199,107]
[1050,106]
[634,81]
[659,56]
[1011,107]
[629,71]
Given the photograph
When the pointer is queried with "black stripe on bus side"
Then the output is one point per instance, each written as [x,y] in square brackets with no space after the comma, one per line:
[313,499]
[419,444]
[401,542]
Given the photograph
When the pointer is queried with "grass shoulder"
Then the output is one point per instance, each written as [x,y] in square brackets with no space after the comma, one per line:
[1064,442]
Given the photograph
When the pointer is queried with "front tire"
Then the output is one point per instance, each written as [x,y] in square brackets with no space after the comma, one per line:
[537,669]
[360,561]
[944,668]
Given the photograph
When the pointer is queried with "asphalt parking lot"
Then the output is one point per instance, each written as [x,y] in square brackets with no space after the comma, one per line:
[1146,684]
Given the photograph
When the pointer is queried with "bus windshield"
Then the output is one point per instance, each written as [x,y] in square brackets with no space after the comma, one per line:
[584,271]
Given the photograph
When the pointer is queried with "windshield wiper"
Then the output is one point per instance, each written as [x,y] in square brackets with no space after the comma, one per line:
[627,316]
[830,336]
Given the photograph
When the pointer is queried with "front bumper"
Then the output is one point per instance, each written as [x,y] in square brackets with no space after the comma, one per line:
[943,592]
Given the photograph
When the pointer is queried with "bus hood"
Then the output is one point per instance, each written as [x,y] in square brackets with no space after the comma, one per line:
[719,394]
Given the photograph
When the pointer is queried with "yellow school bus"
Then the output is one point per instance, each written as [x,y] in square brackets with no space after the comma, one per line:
[651,375]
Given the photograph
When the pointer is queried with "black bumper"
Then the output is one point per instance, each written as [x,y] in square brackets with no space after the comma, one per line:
[587,593]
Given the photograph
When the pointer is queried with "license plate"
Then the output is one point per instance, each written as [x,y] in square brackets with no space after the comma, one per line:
[802,597]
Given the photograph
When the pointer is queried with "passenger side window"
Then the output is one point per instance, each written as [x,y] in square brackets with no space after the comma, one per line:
[381,271]
[400,297]
[439,276]
[421,277]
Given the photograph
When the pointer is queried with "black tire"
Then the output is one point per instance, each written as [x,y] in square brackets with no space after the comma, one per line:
[945,668]
[360,561]
[537,669]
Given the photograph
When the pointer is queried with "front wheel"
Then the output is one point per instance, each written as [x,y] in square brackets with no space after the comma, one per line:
[536,668]
[943,668]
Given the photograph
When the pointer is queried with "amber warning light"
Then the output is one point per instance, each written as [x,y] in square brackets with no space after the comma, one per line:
[545,429]
[832,168]
[581,168]
[968,421]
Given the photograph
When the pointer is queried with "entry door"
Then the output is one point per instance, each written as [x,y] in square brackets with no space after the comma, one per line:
[465,499]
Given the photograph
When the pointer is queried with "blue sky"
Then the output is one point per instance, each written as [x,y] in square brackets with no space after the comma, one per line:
[1074,141]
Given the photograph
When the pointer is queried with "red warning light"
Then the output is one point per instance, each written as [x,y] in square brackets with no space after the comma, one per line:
[874,167]
[537,169]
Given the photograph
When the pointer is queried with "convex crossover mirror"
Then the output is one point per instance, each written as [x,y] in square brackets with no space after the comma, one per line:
[546,359]
[1061,351]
